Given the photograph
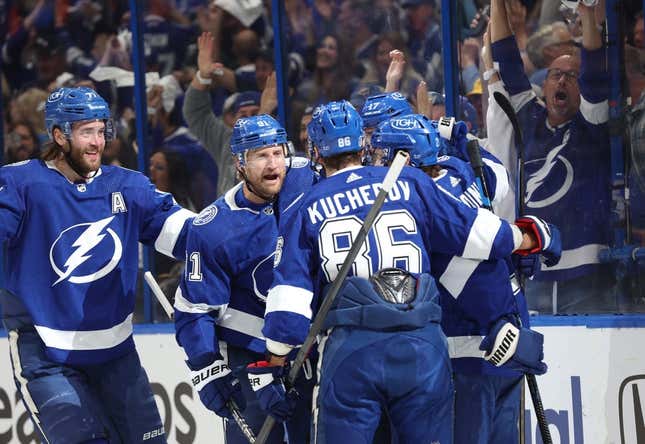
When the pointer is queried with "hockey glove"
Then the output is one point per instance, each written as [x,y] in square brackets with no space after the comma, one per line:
[527,265]
[514,348]
[548,238]
[266,382]
[454,134]
[216,386]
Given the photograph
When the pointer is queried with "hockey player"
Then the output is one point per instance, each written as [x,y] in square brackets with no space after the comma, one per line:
[73,227]
[478,298]
[378,108]
[314,243]
[221,299]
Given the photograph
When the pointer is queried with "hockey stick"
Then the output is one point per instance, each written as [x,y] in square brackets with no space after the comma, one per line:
[161,297]
[531,381]
[393,173]
[232,406]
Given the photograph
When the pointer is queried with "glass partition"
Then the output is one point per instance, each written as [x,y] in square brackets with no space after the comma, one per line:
[576,93]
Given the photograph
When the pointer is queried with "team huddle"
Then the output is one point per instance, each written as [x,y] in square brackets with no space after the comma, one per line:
[430,327]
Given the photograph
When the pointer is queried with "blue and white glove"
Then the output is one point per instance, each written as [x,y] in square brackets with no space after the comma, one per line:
[266,381]
[216,386]
[453,134]
[515,348]
[548,238]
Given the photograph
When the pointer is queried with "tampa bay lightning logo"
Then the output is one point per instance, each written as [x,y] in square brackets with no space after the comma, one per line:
[206,215]
[262,276]
[85,252]
[559,171]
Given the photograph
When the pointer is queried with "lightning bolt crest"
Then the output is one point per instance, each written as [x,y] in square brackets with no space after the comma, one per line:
[538,177]
[89,239]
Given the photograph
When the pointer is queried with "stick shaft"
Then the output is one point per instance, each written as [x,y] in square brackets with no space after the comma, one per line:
[161,297]
[235,411]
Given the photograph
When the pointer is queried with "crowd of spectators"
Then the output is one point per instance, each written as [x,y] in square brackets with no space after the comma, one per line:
[211,62]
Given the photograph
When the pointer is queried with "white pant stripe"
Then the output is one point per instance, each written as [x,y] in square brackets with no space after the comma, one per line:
[314,396]
[22,382]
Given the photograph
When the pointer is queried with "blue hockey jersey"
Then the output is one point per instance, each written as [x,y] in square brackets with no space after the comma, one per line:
[73,255]
[567,170]
[473,293]
[229,268]
[416,218]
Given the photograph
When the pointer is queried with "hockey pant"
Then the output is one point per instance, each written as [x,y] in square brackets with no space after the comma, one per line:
[294,431]
[111,401]
[487,408]
[364,372]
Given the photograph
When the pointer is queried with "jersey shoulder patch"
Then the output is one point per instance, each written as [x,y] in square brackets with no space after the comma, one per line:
[206,215]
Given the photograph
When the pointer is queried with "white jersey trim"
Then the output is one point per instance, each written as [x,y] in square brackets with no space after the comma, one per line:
[587,254]
[501,178]
[184,305]
[595,113]
[465,347]
[457,273]
[482,235]
[291,299]
[229,198]
[86,339]
[242,322]
[167,238]
[278,348]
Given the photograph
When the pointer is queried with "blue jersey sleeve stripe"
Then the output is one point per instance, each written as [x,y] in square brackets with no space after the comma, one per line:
[86,339]
[184,305]
[456,274]
[595,113]
[242,322]
[170,231]
[290,299]
[480,239]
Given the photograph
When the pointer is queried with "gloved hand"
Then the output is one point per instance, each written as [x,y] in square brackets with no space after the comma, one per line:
[514,348]
[527,265]
[266,382]
[548,238]
[216,386]
[454,140]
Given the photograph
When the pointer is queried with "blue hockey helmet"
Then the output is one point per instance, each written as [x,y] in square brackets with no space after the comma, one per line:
[336,128]
[255,132]
[67,105]
[414,133]
[381,107]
